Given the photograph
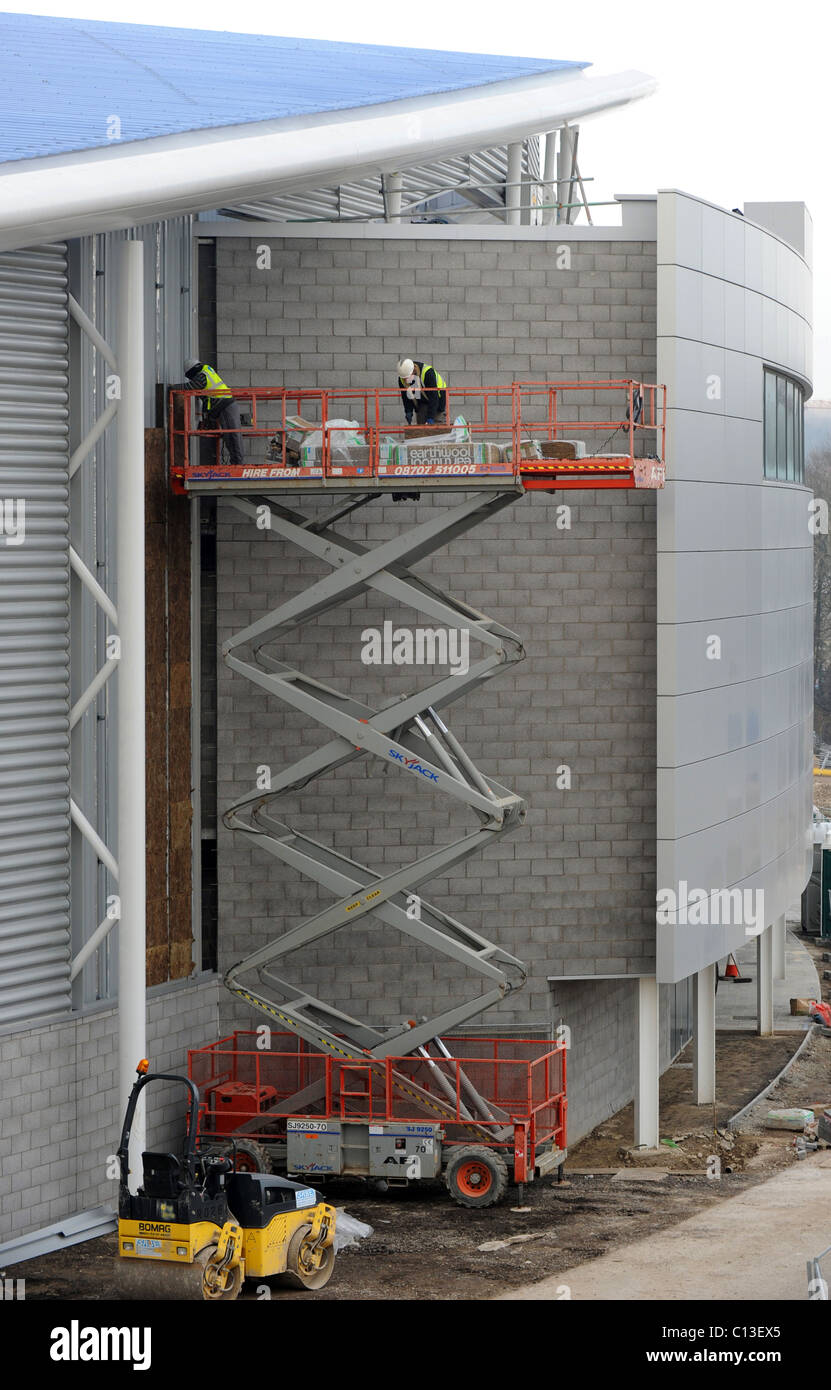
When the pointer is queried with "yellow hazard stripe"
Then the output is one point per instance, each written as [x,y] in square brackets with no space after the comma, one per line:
[352,1057]
[285,1018]
[561,466]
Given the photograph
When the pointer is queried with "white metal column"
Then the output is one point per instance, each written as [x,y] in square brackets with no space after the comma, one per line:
[549,181]
[704,1037]
[779,939]
[565,185]
[764,982]
[394,186]
[131,675]
[646,1080]
[513,188]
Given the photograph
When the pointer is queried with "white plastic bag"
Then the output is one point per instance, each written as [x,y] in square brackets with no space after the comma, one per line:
[344,434]
[349,1230]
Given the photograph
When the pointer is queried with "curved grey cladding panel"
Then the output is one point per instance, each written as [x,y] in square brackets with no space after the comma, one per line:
[740,516]
[752,646]
[34,635]
[725,855]
[709,317]
[732,583]
[692,797]
[706,723]
[734,563]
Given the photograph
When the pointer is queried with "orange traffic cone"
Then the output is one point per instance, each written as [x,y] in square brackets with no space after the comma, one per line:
[732,972]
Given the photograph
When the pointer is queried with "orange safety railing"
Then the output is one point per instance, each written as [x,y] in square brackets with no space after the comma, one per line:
[359,432]
[553,413]
[524,1078]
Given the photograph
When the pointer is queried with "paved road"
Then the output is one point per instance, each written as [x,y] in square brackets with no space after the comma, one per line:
[753,1246]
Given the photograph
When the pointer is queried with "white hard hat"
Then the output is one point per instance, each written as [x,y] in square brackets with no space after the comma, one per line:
[192,362]
[406,367]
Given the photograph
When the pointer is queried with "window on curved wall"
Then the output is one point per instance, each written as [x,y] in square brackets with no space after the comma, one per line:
[784,448]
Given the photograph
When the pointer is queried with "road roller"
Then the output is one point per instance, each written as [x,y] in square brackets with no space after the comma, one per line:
[198,1229]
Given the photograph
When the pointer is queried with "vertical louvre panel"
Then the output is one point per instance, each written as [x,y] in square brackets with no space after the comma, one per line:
[364,199]
[34,637]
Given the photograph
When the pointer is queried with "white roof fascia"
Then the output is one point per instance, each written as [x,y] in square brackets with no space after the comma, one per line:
[56,198]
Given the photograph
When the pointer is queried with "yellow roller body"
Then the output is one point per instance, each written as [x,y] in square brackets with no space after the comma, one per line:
[165,1241]
[170,1261]
[265,1249]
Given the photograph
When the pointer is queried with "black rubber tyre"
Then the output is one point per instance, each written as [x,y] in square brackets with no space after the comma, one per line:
[234,1287]
[296,1274]
[251,1157]
[476,1176]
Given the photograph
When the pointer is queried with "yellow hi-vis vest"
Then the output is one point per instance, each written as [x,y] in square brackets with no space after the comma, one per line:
[215,383]
[440,381]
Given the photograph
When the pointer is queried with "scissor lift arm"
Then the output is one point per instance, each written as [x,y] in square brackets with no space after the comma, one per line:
[409,730]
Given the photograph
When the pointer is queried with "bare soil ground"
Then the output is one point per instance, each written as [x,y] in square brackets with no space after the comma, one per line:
[426,1248]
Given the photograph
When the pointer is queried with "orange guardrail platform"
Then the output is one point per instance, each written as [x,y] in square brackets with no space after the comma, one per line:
[527,435]
[245,1090]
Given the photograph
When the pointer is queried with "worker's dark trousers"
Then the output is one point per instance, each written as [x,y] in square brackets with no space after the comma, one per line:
[423,413]
[226,419]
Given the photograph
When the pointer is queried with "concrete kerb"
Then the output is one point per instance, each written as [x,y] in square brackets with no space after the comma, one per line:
[766,1090]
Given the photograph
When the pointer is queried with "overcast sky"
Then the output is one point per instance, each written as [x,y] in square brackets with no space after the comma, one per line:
[742,113]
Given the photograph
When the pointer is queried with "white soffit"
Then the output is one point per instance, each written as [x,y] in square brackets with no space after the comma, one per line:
[50,199]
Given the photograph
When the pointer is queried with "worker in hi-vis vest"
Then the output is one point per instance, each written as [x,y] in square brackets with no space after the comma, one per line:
[423,392]
[219,409]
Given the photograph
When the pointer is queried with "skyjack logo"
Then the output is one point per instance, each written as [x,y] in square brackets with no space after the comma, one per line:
[702,907]
[77,1343]
[413,765]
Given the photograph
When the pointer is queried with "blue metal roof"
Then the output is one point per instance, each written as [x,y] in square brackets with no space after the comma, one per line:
[65,80]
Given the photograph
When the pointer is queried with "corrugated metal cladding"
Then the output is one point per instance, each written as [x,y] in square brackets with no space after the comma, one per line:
[34,635]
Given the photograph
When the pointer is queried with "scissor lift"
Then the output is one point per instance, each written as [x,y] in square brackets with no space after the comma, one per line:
[409,734]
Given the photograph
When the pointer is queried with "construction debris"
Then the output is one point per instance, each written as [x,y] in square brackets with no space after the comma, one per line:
[489,1245]
[801,1006]
[789,1119]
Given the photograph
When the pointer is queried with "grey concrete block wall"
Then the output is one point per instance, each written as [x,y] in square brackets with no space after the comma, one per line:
[573,892]
[335,311]
[60,1111]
